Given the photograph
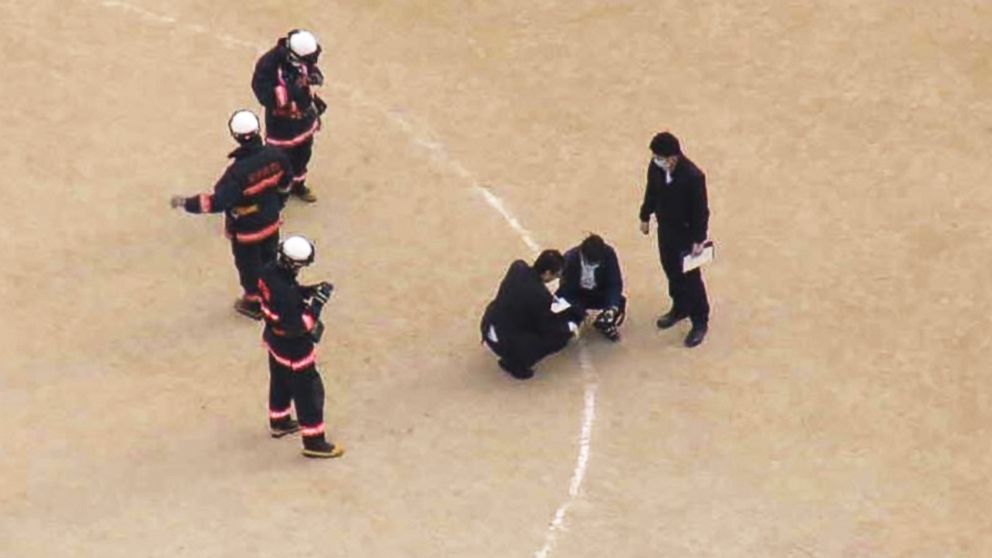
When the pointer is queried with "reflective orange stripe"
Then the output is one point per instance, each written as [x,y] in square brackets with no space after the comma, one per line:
[308,321]
[257,236]
[282,96]
[279,414]
[294,141]
[262,185]
[268,311]
[205,203]
[294,364]
[316,430]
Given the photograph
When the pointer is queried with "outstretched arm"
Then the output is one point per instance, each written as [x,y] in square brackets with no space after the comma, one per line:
[226,192]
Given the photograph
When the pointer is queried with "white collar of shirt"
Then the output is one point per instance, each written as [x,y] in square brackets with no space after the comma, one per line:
[588,279]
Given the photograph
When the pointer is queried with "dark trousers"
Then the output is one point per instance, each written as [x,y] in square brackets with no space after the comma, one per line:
[303,388]
[250,259]
[522,350]
[299,159]
[687,291]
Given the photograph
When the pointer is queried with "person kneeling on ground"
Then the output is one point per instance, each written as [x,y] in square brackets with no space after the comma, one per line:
[519,324]
[591,280]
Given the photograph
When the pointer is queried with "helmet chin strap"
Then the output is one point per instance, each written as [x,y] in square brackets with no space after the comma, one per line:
[243,139]
[291,265]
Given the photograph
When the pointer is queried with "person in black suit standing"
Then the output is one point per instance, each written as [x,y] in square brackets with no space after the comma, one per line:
[676,195]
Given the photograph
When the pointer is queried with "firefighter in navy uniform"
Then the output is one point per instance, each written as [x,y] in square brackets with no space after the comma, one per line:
[591,280]
[284,81]
[247,194]
[519,324]
[292,330]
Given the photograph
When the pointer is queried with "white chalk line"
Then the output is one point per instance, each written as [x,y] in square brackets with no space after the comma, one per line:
[163,19]
[424,138]
[437,151]
[582,460]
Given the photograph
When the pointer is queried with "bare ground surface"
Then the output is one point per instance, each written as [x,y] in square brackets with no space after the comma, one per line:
[840,407]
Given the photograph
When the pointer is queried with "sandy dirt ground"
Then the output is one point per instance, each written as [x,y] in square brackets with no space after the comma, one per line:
[841,406]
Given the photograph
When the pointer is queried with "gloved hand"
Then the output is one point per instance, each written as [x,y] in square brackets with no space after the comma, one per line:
[322,292]
[319,294]
[573,328]
[296,86]
[317,332]
[315,76]
[320,105]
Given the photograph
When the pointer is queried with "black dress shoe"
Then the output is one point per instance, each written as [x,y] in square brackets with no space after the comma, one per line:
[671,318]
[696,335]
[518,373]
[523,374]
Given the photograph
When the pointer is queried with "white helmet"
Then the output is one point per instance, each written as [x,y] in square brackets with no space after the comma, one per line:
[243,123]
[296,252]
[302,43]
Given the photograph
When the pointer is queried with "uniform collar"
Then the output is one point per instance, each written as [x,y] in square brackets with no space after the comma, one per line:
[246,149]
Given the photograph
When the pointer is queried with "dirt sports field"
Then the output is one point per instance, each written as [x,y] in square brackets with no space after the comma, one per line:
[840,407]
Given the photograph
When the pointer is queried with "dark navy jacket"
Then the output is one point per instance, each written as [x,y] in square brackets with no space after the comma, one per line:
[609,281]
[291,115]
[247,193]
[289,318]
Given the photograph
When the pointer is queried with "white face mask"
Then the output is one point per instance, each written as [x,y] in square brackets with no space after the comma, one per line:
[661,162]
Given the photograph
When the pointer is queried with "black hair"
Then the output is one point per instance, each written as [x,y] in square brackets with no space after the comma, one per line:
[593,248]
[665,144]
[549,260]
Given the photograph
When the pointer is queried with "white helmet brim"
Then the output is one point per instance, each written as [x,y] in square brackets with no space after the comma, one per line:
[297,249]
[244,123]
[302,43]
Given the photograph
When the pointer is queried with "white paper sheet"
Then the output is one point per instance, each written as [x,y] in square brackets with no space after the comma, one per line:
[559,305]
[690,262]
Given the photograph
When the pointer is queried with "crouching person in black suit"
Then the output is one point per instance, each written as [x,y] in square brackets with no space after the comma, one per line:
[591,280]
[519,324]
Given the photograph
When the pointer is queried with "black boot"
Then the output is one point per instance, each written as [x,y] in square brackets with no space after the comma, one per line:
[696,335]
[517,372]
[671,318]
[318,447]
[301,191]
[283,426]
